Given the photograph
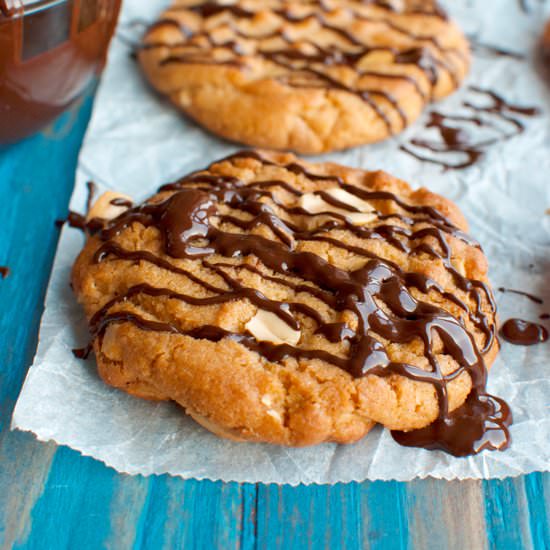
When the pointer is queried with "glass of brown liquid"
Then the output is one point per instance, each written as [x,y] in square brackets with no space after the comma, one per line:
[50,50]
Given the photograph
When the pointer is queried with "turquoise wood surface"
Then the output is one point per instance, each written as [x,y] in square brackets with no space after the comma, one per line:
[52,497]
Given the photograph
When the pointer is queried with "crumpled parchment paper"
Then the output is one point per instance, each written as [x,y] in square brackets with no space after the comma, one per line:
[136,142]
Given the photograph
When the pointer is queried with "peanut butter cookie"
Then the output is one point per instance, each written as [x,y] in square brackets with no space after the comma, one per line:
[293,303]
[302,75]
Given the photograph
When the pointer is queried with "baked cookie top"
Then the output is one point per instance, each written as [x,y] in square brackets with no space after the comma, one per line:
[293,303]
[304,75]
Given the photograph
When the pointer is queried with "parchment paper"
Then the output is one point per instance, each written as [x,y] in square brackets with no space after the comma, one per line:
[136,142]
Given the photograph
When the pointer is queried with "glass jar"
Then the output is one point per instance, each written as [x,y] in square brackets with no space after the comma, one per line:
[49,52]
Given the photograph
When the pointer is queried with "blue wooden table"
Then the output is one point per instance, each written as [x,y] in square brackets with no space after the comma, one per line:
[52,497]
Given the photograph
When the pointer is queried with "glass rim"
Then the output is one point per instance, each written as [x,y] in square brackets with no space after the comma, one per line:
[21,8]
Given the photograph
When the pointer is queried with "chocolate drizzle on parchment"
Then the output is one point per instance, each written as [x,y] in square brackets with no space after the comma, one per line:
[189,221]
[307,64]
[483,109]
[77,220]
[520,332]
[527,295]
[523,333]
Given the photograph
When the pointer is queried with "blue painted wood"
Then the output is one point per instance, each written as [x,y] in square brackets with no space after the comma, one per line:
[438,512]
[538,502]
[384,515]
[517,512]
[309,517]
[53,498]
[86,525]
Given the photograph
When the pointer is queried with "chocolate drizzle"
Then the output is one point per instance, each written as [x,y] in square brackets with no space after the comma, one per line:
[80,221]
[523,333]
[190,222]
[453,131]
[531,297]
[122,202]
[475,426]
[306,64]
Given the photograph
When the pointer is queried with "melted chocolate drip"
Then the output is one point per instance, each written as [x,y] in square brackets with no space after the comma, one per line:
[79,221]
[76,221]
[306,70]
[531,297]
[82,353]
[454,137]
[122,202]
[481,423]
[185,221]
[4,272]
[523,333]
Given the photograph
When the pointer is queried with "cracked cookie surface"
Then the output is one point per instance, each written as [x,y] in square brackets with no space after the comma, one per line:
[307,76]
[290,303]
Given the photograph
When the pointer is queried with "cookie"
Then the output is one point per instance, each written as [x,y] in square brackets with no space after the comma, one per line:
[293,303]
[301,75]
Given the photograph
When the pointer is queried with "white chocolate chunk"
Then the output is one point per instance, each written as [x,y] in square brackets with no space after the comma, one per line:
[104,209]
[315,204]
[267,327]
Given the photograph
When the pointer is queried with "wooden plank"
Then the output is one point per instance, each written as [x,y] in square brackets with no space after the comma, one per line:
[507,514]
[36,178]
[248,531]
[446,515]
[36,181]
[537,491]
[189,514]
[24,469]
[309,517]
[384,515]
[72,511]
[129,497]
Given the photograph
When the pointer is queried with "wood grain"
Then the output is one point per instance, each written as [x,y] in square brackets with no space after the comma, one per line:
[439,511]
[53,498]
